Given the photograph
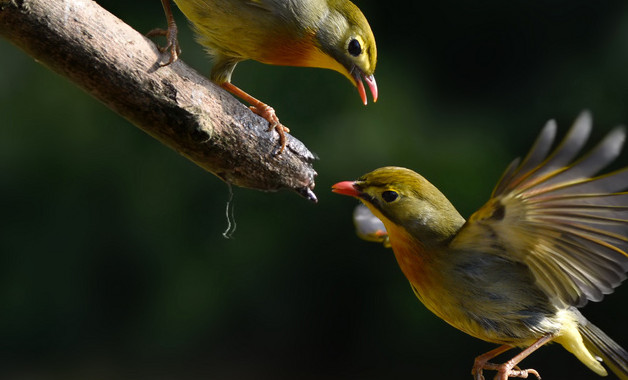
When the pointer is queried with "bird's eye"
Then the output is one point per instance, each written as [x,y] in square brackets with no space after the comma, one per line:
[389,195]
[354,48]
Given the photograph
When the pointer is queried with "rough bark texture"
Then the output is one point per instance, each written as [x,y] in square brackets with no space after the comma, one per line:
[119,66]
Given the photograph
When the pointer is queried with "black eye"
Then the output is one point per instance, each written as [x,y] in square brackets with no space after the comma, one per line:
[389,195]
[354,47]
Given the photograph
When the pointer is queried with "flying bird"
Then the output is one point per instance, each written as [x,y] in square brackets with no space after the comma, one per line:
[553,236]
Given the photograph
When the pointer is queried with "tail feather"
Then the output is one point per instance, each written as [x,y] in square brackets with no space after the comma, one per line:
[600,344]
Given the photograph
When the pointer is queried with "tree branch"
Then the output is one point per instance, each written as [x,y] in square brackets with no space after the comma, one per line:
[108,59]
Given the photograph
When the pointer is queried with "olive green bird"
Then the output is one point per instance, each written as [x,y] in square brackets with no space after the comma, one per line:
[329,34]
[552,237]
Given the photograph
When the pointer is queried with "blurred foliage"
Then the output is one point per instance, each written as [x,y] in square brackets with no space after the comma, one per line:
[113,260]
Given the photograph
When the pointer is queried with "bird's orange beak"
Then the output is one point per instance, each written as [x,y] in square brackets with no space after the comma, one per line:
[346,188]
[357,76]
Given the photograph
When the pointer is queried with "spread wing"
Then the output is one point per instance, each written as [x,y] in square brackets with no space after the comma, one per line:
[558,216]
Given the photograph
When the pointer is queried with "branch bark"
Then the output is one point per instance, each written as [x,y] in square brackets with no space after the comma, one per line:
[119,66]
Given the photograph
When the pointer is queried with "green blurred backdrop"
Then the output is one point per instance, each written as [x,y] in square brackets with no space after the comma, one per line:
[113,260]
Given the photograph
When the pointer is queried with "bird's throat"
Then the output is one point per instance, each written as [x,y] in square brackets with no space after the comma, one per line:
[300,52]
[413,259]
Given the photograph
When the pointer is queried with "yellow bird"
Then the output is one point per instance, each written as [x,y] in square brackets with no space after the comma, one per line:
[330,34]
[552,236]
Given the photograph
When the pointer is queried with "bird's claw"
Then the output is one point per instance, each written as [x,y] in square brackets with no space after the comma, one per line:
[504,371]
[261,109]
[268,113]
[477,374]
[523,373]
[172,45]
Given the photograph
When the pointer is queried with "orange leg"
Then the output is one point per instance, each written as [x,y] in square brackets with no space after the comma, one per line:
[261,109]
[509,368]
[482,360]
[170,34]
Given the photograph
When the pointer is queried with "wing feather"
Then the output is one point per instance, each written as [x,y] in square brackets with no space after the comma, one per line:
[558,216]
[565,152]
[536,155]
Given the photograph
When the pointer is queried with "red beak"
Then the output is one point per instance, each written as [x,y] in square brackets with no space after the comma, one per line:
[370,81]
[346,188]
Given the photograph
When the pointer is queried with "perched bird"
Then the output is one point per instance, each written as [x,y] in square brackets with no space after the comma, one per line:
[552,236]
[330,34]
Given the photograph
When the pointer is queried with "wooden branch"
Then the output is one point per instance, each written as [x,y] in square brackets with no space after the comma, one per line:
[119,66]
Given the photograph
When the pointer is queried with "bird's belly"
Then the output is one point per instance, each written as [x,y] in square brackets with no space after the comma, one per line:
[486,326]
[242,31]
[486,297]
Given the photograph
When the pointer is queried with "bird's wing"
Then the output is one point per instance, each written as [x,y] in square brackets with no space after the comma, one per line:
[369,227]
[273,5]
[263,4]
[558,216]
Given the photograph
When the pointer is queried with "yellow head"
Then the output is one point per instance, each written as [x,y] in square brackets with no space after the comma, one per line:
[404,199]
[345,36]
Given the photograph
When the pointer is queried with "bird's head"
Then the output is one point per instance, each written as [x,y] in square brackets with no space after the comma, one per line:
[345,35]
[404,199]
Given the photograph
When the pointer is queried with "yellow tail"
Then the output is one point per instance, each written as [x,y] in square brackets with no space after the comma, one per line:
[613,355]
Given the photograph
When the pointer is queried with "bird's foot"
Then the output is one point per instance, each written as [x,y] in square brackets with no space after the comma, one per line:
[172,43]
[505,371]
[268,113]
[477,374]
[509,368]
[481,361]
[523,373]
[262,109]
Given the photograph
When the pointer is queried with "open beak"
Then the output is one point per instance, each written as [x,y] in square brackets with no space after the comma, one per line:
[357,76]
[346,188]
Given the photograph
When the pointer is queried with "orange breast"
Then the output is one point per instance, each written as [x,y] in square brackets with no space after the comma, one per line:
[412,258]
[286,50]
[424,271]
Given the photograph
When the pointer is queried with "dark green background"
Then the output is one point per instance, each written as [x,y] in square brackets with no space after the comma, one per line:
[113,264]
